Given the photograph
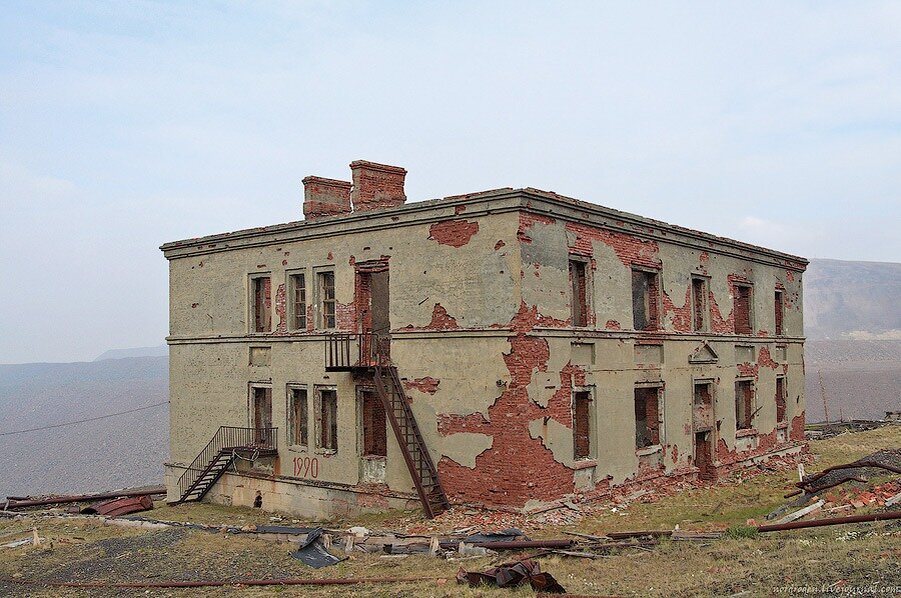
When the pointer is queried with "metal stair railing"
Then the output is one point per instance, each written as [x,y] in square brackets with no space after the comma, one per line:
[226,438]
[413,448]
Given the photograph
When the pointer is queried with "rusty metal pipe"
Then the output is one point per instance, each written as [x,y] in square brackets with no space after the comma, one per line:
[61,500]
[328,581]
[833,521]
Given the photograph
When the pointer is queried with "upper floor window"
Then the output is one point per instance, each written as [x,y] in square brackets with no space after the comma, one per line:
[579,280]
[645,300]
[326,299]
[298,294]
[742,308]
[779,308]
[699,309]
[261,303]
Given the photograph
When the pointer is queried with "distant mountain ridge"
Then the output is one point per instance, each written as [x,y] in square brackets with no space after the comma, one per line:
[158,351]
[852,300]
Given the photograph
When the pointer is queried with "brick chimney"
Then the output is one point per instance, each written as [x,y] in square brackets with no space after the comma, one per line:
[376,186]
[325,197]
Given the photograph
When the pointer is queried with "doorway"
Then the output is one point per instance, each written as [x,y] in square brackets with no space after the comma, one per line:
[373,437]
[373,319]
[703,456]
[262,413]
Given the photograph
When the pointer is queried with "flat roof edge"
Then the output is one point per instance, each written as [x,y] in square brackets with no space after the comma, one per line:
[526,199]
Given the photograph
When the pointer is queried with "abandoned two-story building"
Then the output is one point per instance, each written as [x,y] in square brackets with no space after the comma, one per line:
[512,348]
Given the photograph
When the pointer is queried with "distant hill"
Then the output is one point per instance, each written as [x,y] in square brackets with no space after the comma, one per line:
[158,351]
[125,450]
[852,300]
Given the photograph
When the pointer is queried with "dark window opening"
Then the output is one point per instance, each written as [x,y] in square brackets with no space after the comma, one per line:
[579,281]
[262,413]
[375,426]
[262,304]
[647,417]
[703,406]
[699,304]
[298,414]
[299,301]
[645,300]
[779,310]
[744,404]
[581,425]
[780,399]
[328,420]
[742,309]
[327,299]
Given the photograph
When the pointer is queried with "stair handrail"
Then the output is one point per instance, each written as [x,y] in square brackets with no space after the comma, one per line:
[226,437]
[426,459]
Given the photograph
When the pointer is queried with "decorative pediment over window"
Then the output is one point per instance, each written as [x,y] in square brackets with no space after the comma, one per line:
[703,354]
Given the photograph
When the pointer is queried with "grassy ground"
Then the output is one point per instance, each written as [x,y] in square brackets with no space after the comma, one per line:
[854,556]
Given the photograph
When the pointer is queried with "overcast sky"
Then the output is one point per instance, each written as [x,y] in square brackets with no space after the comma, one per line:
[126,125]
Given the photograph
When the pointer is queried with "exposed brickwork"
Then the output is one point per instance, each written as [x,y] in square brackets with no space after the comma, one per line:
[527,221]
[427,384]
[520,467]
[455,233]
[325,197]
[742,309]
[376,186]
[765,443]
[764,359]
[680,317]
[441,320]
[630,250]
[613,325]
[499,244]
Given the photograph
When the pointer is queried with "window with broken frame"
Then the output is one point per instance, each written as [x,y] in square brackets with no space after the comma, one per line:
[298,416]
[645,299]
[744,404]
[326,415]
[648,411]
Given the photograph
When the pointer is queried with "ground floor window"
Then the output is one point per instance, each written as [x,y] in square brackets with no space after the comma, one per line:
[780,399]
[744,404]
[298,409]
[374,424]
[327,419]
[582,448]
[647,416]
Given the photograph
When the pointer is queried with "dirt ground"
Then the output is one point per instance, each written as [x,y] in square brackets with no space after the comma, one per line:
[851,558]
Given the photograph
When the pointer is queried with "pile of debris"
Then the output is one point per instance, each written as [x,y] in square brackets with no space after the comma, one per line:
[819,493]
[111,503]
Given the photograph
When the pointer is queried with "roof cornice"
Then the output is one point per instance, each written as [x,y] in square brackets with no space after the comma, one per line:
[484,203]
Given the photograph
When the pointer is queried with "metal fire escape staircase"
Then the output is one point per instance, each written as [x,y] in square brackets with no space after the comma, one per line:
[228,444]
[371,358]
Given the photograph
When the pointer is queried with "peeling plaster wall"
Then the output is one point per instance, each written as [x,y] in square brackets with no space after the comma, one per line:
[482,338]
[547,245]
[439,283]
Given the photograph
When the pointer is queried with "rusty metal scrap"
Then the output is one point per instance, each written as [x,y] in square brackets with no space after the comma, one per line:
[61,500]
[511,575]
[119,506]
